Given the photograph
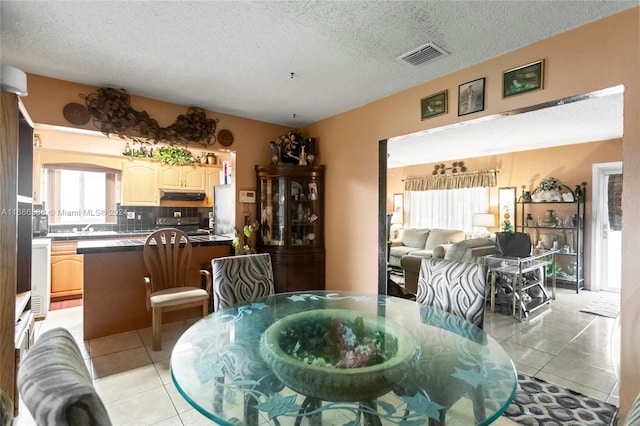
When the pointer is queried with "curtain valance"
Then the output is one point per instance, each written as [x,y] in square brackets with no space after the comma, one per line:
[484,178]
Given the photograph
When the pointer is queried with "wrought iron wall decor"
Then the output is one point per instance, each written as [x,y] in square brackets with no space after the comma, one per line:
[112,113]
[457,166]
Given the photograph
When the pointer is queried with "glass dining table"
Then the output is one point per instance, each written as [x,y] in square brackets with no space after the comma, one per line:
[448,368]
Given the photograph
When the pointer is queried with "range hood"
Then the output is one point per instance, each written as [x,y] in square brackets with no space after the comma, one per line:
[183,196]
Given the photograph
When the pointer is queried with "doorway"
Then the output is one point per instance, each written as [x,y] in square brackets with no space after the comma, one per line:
[606,238]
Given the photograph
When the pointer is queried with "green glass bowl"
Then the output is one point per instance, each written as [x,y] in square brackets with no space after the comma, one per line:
[340,384]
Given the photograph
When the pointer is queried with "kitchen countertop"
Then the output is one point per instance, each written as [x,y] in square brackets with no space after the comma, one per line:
[91,246]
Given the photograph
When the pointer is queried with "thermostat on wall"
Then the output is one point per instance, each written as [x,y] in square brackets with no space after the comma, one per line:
[247,196]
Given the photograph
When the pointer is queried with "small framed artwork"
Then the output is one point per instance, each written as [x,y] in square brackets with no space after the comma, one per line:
[523,79]
[507,208]
[434,105]
[471,97]
[313,191]
[397,202]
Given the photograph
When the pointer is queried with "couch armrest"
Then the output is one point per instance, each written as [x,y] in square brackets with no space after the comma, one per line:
[440,250]
[396,243]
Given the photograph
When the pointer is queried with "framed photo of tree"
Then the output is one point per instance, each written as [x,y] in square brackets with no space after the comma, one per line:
[507,208]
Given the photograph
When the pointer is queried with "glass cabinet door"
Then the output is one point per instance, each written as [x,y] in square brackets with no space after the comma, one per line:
[305,208]
[272,216]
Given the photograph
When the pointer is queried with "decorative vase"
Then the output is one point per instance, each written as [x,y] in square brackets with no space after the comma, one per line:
[550,219]
[530,221]
[275,153]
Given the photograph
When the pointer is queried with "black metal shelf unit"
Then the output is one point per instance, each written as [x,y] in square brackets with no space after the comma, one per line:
[567,232]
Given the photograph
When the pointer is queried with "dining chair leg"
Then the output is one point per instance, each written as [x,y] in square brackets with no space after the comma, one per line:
[250,411]
[205,308]
[218,394]
[156,327]
[370,418]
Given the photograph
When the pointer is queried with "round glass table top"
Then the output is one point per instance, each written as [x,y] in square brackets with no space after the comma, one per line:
[333,357]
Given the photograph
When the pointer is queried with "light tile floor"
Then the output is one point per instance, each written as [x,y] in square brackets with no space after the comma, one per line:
[558,344]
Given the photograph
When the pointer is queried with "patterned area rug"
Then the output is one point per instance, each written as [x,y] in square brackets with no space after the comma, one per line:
[606,305]
[63,304]
[540,403]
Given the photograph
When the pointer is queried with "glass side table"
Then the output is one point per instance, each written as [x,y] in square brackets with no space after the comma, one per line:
[534,265]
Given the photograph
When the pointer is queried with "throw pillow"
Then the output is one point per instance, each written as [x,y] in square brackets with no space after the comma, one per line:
[443,236]
[412,237]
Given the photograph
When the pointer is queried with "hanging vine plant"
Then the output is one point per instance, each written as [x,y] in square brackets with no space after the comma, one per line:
[112,113]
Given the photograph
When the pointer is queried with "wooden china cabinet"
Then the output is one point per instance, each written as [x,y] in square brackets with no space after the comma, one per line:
[291,215]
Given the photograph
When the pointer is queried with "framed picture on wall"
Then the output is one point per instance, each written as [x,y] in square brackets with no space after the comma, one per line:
[523,79]
[471,97]
[397,202]
[507,208]
[434,105]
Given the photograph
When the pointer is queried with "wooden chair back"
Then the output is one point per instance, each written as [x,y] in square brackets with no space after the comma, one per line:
[167,257]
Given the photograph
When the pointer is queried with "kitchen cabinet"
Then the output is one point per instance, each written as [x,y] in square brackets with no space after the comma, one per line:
[291,209]
[140,183]
[67,270]
[191,178]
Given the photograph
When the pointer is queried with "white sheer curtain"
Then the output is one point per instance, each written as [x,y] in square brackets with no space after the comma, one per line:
[448,208]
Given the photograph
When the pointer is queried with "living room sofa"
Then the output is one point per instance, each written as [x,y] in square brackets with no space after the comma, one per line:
[420,243]
[467,251]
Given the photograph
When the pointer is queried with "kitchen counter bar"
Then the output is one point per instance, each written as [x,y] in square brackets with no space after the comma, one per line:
[134,244]
[114,290]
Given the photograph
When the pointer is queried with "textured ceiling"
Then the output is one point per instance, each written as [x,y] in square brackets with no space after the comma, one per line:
[237,57]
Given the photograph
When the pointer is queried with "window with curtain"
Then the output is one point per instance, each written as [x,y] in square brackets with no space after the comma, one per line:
[448,200]
[446,208]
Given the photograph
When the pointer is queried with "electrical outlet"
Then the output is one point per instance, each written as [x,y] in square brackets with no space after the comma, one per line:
[139,217]
[131,215]
[177,214]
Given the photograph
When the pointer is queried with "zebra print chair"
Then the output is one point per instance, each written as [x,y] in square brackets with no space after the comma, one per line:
[456,288]
[238,280]
[55,383]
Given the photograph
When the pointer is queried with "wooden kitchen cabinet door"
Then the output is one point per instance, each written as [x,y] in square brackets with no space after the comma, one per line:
[182,177]
[140,183]
[67,270]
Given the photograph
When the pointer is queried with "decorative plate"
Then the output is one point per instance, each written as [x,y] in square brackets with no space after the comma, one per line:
[225,137]
[76,113]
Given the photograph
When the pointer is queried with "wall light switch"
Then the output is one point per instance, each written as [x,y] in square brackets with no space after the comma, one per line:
[131,215]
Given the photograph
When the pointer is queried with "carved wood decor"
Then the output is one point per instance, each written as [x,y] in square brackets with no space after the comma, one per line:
[112,113]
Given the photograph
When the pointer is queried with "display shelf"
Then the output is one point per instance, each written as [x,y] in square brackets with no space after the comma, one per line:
[569,236]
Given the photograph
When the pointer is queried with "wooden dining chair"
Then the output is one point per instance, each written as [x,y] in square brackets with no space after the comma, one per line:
[456,288]
[167,257]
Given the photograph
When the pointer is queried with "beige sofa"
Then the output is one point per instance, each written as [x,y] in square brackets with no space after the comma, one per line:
[467,251]
[421,243]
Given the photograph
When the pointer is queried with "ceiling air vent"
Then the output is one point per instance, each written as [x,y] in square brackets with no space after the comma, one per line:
[423,54]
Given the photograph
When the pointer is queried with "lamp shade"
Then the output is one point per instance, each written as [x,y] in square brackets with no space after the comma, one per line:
[396,218]
[486,220]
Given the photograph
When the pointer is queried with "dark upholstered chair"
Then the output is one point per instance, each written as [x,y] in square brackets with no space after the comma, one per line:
[56,386]
[456,288]
[167,257]
[238,279]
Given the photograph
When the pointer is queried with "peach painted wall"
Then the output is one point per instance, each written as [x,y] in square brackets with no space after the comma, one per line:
[349,146]
[570,163]
[47,98]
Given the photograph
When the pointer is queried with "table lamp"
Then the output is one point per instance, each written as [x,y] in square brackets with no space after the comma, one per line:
[483,220]
[396,224]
